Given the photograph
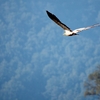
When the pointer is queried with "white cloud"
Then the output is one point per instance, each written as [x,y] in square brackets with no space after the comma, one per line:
[34,50]
[71,68]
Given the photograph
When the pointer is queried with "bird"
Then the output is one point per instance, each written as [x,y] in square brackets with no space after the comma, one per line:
[67,30]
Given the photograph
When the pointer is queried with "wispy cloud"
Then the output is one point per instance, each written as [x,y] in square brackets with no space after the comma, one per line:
[35,58]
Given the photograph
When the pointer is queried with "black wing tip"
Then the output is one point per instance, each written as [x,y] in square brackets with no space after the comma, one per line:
[48,12]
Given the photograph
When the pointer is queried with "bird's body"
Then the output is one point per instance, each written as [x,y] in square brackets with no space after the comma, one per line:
[69,33]
[67,30]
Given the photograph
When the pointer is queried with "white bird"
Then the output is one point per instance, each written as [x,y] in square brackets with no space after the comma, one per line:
[67,30]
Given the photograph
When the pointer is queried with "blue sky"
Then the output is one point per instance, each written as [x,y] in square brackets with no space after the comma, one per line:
[36,61]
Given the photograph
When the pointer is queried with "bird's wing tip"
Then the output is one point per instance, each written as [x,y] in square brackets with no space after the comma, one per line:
[47,11]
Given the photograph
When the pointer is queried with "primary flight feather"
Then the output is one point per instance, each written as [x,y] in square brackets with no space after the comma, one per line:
[68,31]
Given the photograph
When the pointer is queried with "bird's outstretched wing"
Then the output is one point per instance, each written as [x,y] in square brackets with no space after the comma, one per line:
[57,21]
[84,28]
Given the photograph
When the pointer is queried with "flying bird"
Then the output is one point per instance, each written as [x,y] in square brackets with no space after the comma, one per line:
[67,30]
